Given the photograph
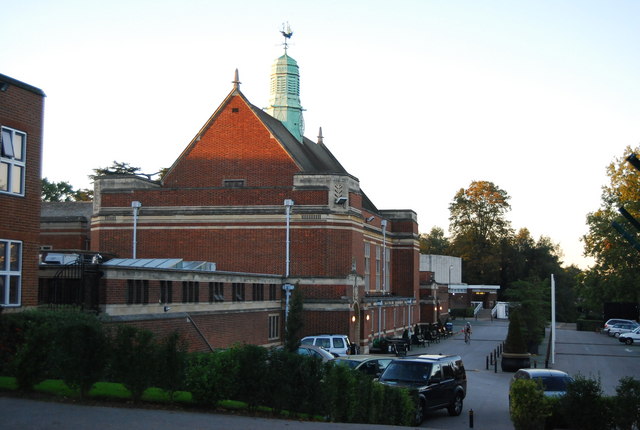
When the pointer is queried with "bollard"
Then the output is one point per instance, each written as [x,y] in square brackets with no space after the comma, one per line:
[495,367]
[487,360]
[470,418]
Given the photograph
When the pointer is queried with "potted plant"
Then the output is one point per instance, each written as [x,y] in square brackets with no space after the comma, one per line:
[515,355]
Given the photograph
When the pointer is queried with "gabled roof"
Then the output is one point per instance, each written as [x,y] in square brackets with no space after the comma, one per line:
[310,156]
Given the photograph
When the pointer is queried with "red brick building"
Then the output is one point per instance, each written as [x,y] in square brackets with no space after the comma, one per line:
[21,123]
[270,208]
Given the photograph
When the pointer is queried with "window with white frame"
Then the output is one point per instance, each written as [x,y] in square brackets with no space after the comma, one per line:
[10,272]
[367,265]
[12,161]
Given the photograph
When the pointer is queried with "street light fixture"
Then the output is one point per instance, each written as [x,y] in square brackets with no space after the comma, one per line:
[136,205]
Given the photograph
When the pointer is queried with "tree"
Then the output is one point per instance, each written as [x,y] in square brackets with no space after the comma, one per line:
[117,168]
[479,229]
[616,272]
[63,192]
[294,321]
[434,242]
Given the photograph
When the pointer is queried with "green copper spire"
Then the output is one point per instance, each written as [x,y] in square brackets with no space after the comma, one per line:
[284,100]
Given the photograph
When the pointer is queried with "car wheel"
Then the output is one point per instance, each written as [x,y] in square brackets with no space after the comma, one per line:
[419,417]
[616,334]
[628,341]
[455,408]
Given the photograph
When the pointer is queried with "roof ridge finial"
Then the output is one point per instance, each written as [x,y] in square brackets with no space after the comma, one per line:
[236,81]
[287,33]
[320,138]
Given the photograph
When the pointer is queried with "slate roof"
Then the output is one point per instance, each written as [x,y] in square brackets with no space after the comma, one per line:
[311,157]
[66,210]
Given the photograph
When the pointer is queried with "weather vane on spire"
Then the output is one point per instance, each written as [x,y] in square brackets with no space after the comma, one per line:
[287,33]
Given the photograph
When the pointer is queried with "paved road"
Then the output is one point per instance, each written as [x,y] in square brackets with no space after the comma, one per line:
[586,353]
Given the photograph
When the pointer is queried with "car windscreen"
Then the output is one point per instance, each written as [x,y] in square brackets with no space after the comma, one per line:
[350,363]
[407,371]
[555,383]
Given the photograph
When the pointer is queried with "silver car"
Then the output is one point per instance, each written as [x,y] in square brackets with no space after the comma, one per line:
[554,382]
[620,328]
[630,337]
[611,322]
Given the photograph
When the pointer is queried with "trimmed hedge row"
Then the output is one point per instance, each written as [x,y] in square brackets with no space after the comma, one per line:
[583,407]
[76,348]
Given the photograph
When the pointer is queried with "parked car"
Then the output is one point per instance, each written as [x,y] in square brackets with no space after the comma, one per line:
[630,337]
[440,382]
[620,328]
[369,364]
[337,344]
[611,322]
[554,382]
[315,351]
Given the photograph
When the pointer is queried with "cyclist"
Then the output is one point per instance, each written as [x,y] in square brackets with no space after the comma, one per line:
[467,332]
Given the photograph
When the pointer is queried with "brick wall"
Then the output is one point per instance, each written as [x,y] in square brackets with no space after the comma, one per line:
[21,108]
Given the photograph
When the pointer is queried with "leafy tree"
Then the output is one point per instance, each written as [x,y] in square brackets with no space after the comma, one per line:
[616,272]
[479,229]
[434,242]
[532,306]
[117,168]
[63,192]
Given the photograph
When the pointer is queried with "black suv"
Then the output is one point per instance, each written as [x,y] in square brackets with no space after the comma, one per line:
[440,381]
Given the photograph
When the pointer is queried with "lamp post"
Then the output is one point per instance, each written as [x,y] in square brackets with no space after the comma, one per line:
[383,223]
[136,205]
[288,288]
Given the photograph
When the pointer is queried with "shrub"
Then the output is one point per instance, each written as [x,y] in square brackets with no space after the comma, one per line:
[252,374]
[584,407]
[528,406]
[133,358]
[80,353]
[12,337]
[399,407]
[210,376]
[32,362]
[627,404]
[339,387]
[515,341]
[172,363]
[589,325]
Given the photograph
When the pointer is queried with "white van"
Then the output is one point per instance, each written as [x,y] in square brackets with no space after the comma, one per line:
[337,344]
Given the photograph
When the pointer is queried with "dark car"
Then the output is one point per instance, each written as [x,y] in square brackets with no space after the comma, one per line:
[440,381]
[369,364]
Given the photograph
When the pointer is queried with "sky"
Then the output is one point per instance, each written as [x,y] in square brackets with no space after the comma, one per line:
[416,99]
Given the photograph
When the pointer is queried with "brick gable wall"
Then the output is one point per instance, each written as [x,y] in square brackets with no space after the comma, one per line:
[235,146]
